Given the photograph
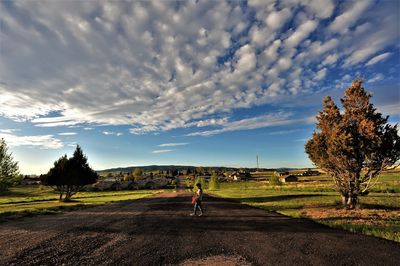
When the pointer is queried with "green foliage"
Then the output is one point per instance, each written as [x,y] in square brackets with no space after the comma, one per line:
[213,184]
[137,173]
[200,180]
[274,180]
[68,175]
[8,168]
[354,146]
[189,184]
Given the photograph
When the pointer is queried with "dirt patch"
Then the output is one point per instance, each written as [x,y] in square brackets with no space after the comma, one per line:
[362,216]
[219,260]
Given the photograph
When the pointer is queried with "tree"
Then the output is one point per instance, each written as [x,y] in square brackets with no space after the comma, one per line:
[200,180]
[8,168]
[354,146]
[69,175]
[213,185]
[137,173]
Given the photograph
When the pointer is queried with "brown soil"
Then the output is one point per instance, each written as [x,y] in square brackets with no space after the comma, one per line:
[159,231]
[362,216]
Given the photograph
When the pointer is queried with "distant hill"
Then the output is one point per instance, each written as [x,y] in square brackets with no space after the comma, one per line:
[150,168]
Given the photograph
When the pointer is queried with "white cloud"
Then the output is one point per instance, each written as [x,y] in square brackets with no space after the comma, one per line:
[330,59]
[378,58]
[389,109]
[320,74]
[278,19]
[263,121]
[9,130]
[67,133]
[162,151]
[285,132]
[37,141]
[322,8]
[107,133]
[302,32]
[349,17]
[173,144]
[375,78]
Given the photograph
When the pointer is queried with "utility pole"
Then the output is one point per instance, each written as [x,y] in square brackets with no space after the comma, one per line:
[257,162]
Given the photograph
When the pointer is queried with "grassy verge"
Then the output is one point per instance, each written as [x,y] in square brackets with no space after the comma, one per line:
[379,213]
[28,201]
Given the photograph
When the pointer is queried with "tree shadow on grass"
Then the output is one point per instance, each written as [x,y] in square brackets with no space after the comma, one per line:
[276,198]
[379,207]
[9,193]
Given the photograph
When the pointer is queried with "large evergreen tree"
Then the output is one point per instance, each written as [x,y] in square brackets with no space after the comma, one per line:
[8,168]
[69,175]
[354,146]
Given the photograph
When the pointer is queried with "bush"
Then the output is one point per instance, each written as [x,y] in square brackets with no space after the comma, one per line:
[200,180]
[274,180]
[213,184]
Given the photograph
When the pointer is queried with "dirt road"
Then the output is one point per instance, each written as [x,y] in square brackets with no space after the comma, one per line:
[159,231]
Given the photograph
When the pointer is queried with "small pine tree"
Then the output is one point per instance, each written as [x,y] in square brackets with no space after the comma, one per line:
[213,184]
[137,173]
[8,168]
[200,180]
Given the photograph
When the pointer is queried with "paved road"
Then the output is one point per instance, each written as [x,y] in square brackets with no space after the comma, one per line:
[159,231]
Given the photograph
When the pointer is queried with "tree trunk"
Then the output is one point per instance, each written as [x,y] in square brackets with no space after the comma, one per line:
[344,199]
[61,194]
[67,195]
[352,202]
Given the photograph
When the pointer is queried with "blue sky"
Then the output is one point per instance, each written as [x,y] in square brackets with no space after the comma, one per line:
[208,83]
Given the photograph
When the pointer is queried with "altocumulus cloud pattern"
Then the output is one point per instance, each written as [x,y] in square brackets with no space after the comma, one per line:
[162,65]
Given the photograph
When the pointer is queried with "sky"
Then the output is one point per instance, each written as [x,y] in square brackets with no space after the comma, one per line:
[205,83]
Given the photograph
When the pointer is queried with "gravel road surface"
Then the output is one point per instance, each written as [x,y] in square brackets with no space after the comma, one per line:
[159,231]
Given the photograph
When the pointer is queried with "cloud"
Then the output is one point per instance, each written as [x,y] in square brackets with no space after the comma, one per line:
[67,134]
[173,144]
[184,65]
[389,109]
[112,133]
[37,141]
[301,33]
[375,78]
[330,59]
[378,58]
[263,121]
[349,17]
[320,74]
[278,19]
[285,132]
[162,151]
[9,130]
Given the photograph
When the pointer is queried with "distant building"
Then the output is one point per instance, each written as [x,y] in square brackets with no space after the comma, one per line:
[281,173]
[310,172]
[288,178]
[237,176]
[30,180]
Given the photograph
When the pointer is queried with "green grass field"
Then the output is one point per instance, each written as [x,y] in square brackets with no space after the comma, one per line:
[29,200]
[316,199]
